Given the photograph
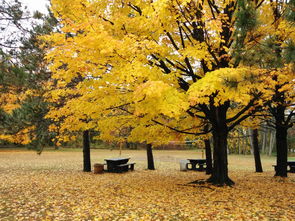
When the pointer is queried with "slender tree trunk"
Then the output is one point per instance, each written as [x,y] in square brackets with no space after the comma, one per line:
[271,142]
[86,152]
[150,157]
[250,135]
[120,148]
[208,156]
[257,159]
[264,140]
[281,144]
[239,144]
[244,142]
[247,143]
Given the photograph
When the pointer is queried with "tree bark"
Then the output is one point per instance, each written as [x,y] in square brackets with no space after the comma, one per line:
[247,144]
[250,135]
[86,152]
[220,165]
[219,174]
[208,156]
[258,165]
[264,137]
[281,143]
[271,142]
[150,157]
[239,145]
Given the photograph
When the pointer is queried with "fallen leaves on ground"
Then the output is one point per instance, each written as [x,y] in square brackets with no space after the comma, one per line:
[30,191]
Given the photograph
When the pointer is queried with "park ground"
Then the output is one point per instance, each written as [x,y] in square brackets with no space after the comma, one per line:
[51,186]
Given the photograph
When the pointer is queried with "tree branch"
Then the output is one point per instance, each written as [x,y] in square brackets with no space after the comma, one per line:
[250,104]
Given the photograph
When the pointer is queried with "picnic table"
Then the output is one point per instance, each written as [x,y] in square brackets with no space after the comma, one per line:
[119,165]
[196,164]
[290,164]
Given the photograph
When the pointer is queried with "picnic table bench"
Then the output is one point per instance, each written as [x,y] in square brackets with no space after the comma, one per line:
[119,165]
[196,164]
[290,165]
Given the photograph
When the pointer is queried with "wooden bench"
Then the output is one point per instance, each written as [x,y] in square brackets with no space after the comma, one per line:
[114,163]
[291,170]
[196,164]
[275,167]
[125,167]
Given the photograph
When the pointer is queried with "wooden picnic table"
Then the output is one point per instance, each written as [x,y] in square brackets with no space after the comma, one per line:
[196,164]
[119,165]
[291,165]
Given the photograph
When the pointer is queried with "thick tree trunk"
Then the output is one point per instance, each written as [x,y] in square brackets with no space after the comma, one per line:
[220,133]
[86,152]
[150,157]
[282,151]
[220,166]
[208,156]
[257,159]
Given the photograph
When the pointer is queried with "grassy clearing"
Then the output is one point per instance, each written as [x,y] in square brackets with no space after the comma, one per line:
[52,187]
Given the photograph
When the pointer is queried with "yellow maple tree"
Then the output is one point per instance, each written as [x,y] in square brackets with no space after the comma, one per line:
[159,68]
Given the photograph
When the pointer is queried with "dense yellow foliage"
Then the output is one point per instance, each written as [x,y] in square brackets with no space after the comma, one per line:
[10,100]
[108,64]
[23,136]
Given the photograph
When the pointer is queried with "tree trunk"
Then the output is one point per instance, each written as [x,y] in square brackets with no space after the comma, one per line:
[150,157]
[208,156]
[239,145]
[250,135]
[264,137]
[220,166]
[247,144]
[220,133]
[86,152]
[271,142]
[281,145]
[257,159]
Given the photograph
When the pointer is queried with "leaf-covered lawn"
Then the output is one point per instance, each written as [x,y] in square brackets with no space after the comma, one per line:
[52,187]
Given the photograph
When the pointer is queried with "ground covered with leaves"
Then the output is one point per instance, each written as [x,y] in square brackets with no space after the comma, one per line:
[52,187]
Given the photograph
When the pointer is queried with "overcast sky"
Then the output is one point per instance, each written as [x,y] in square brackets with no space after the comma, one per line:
[10,32]
[36,5]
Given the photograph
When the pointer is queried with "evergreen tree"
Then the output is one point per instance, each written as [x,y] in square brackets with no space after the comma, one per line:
[274,52]
[24,72]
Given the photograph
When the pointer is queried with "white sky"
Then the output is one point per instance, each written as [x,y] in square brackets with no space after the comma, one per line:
[36,5]
[10,32]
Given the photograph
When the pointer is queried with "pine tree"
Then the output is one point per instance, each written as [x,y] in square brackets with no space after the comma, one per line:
[275,52]
[25,76]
